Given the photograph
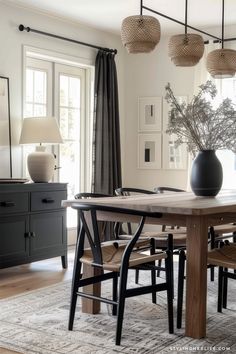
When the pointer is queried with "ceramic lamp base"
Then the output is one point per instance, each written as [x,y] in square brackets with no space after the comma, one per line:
[41,165]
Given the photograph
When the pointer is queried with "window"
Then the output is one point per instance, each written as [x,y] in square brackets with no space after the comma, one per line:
[54,87]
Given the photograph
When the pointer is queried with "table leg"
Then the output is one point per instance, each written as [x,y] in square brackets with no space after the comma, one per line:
[196,280]
[91,306]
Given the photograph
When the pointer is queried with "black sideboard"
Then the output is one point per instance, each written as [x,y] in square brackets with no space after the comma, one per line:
[32,223]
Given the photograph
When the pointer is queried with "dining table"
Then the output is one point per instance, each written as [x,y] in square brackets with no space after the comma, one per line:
[181,209]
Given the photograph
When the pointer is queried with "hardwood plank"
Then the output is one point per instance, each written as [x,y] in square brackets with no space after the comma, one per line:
[24,278]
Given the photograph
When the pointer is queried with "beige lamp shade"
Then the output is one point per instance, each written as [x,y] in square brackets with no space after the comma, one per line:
[41,164]
[221,63]
[140,33]
[40,130]
[186,49]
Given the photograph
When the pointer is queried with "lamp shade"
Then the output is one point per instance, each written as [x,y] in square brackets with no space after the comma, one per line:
[140,33]
[221,63]
[186,49]
[40,130]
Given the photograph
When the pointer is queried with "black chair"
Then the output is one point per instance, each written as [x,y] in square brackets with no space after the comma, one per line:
[116,258]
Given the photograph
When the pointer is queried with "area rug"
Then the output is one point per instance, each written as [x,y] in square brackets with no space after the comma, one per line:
[36,323]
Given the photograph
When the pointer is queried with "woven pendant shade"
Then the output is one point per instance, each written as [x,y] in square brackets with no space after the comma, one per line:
[186,49]
[221,63]
[140,33]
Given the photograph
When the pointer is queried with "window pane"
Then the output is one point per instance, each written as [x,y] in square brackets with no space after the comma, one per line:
[29,85]
[64,90]
[28,110]
[74,92]
[73,123]
[40,86]
[39,110]
[64,122]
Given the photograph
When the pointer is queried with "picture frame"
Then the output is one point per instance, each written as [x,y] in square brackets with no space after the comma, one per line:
[150,114]
[173,157]
[5,129]
[149,151]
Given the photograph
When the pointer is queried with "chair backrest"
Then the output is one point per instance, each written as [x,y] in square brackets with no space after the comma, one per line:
[106,227]
[167,189]
[129,191]
[89,228]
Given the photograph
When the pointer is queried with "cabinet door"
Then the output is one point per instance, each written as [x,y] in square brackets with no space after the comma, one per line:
[14,240]
[48,234]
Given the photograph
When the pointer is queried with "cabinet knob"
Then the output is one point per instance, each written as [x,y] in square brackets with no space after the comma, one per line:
[27,234]
[7,204]
[48,200]
[32,234]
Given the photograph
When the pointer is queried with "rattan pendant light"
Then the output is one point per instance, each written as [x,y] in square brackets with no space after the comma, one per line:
[140,33]
[186,49]
[221,63]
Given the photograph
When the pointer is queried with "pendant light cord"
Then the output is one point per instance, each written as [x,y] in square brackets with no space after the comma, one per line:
[141,7]
[186,16]
[223,15]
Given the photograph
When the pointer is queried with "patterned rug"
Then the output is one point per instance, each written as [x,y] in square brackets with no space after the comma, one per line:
[36,323]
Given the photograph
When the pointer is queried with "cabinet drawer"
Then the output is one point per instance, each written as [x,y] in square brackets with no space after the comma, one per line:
[13,203]
[47,200]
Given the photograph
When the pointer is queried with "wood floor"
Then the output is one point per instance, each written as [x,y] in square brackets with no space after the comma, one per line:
[21,279]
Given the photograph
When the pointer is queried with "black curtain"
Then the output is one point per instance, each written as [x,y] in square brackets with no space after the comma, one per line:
[106,176]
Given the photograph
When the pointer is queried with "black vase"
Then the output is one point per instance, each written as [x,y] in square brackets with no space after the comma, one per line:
[207,174]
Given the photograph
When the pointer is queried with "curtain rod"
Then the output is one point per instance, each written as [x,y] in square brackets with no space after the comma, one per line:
[28,29]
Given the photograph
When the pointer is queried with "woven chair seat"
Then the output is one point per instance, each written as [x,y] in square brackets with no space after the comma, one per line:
[112,253]
[179,238]
[223,257]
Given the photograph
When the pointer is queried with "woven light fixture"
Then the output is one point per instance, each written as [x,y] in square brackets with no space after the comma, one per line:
[221,63]
[140,33]
[186,49]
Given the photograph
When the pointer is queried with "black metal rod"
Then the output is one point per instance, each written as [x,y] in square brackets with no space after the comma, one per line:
[141,7]
[186,16]
[181,23]
[223,15]
[28,29]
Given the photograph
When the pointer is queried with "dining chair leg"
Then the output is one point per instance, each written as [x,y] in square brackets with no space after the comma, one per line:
[212,246]
[121,303]
[159,265]
[225,289]
[153,272]
[114,293]
[136,276]
[169,278]
[220,289]
[182,258]
[75,286]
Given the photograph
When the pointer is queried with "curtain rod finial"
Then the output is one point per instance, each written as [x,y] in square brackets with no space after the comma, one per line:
[21,28]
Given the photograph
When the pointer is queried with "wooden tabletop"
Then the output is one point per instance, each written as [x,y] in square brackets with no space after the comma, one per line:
[185,203]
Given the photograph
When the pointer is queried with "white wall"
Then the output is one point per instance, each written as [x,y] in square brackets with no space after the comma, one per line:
[11,56]
[147,75]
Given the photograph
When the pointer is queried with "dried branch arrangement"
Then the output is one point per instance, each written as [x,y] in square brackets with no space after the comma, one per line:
[199,125]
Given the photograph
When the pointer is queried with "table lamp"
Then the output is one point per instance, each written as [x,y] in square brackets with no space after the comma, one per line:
[40,130]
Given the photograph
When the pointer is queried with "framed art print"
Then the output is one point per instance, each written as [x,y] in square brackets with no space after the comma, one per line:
[150,114]
[149,151]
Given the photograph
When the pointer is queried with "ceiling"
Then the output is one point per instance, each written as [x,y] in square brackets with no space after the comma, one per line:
[108,14]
